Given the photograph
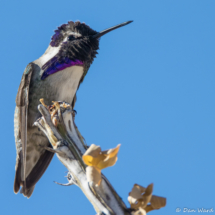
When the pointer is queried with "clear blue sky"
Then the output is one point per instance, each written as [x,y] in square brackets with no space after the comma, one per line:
[151,88]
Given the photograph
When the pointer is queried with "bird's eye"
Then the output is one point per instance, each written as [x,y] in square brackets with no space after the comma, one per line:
[70,38]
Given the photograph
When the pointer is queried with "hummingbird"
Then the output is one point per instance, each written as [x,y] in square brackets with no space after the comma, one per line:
[55,76]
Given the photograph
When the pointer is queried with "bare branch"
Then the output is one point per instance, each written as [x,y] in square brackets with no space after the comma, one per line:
[69,147]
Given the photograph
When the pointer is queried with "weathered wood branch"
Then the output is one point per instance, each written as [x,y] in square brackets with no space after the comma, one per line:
[68,144]
[57,123]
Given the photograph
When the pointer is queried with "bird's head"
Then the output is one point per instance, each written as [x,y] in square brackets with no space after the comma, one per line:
[72,44]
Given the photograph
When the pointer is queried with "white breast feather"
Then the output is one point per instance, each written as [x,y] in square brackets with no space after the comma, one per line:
[65,82]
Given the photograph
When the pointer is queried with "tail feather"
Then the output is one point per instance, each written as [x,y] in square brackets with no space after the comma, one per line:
[27,192]
[39,169]
[34,176]
[18,180]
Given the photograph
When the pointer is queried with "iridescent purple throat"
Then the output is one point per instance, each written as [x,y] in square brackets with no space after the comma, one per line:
[60,66]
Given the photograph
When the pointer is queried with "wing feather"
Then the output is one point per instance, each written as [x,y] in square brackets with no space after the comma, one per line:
[20,130]
[22,101]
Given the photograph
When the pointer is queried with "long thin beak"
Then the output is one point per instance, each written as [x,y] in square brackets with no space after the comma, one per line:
[101,33]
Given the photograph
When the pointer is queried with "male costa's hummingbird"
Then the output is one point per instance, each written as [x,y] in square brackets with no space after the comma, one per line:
[55,76]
